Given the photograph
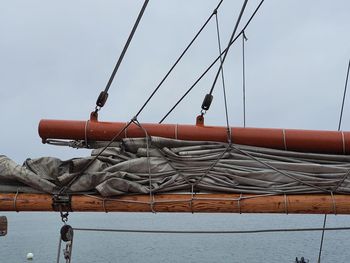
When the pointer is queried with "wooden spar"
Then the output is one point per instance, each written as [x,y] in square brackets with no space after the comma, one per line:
[329,142]
[201,203]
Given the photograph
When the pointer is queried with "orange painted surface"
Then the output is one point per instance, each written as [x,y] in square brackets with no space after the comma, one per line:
[331,142]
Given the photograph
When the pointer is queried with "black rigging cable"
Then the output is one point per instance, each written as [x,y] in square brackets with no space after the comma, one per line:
[223,80]
[339,126]
[102,98]
[244,38]
[213,63]
[209,97]
[144,231]
[64,189]
[344,95]
[180,57]
[134,119]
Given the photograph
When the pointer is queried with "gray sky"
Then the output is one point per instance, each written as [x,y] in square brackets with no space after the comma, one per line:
[56,56]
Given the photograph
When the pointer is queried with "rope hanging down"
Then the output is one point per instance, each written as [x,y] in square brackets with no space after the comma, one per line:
[102,98]
[212,64]
[209,97]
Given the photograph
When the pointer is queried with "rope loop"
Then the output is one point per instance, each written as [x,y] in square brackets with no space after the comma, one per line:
[239,203]
[334,204]
[285,204]
[15,201]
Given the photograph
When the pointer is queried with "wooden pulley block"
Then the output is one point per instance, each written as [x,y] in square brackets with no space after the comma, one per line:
[3,225]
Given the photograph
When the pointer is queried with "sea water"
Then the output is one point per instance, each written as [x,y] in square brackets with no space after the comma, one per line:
[38,233]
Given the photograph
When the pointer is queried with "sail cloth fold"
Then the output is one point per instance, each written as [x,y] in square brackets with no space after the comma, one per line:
[159,165]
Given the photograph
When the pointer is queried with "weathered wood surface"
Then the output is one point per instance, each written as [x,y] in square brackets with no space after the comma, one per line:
[3,225]
[201,203]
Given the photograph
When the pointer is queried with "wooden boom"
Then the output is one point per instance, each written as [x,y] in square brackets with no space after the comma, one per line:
[329,142]
[200,203]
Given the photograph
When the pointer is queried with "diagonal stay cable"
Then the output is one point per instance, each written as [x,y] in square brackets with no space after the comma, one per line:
[223,81]
[66,187]
[101,100]
[229,45]
[213,63]
[344,95]
[280,171]
[346,174]
[179,58]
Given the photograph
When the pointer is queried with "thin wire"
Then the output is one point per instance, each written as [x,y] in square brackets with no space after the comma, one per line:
[126,45]
[180,57]
[229,45]
[322,238]
[144,231]
[223,80]
[340,182]
[66,187]
[244,38]
[344,95]
[213,63]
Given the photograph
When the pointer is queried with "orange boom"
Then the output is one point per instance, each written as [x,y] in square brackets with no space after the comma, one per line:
[328,142]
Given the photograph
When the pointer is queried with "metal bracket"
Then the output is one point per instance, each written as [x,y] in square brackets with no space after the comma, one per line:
[62,203]
[3,225]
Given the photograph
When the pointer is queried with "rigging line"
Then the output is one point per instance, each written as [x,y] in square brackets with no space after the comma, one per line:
[213,63]
[346,175]
[144,231]
[223,80]
[322,238]
[344,95]
[229,44]
[66,187]
[63,189]
[244,38]
[279,171]
[105,92]
[179,58]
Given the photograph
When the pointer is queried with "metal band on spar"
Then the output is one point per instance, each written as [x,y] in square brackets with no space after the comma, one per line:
[328,142]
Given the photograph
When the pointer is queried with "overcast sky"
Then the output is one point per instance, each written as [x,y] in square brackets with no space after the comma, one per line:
[56,57]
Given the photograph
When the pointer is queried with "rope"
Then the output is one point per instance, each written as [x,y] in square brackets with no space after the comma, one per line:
[346,174]
[213,63]
[244,38]
[66,187]
[15,201]
[120,59]
[151,196]
[229,136]
[229,45]
[257,231]
[322,238]
[344,95]
[279,171]
[179,58]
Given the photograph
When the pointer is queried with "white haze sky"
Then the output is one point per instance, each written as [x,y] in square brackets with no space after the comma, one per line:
[56,57]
